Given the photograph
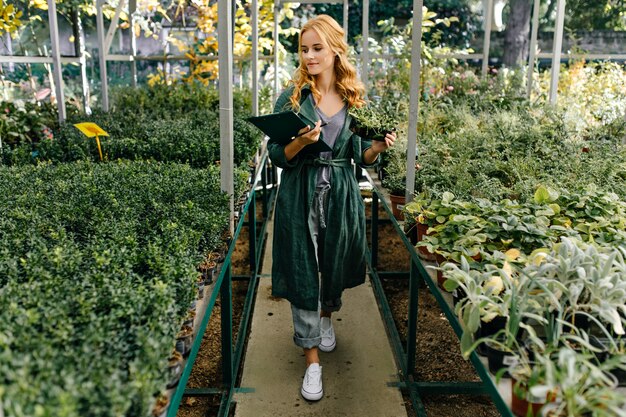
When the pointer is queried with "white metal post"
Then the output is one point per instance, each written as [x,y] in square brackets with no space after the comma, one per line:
[533,49]
[56,59]
[255,57]
[276,11]
[416,66]
[345,20]
[225,62]
[132,8]
[82,57]
[556,53]
[366,49]
[487,36]
[102,54]
[9,44]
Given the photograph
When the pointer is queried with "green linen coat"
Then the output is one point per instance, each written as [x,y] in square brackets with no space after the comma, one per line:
[295,269]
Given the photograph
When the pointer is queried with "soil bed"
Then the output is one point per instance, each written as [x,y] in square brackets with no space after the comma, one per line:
[208,365]
[438,355]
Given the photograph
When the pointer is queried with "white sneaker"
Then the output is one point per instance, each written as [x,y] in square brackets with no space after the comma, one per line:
[328,342]
[312,383]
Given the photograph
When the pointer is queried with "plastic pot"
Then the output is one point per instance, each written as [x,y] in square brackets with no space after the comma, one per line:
[174,369]
[184,339]
[498,359]
[200,286]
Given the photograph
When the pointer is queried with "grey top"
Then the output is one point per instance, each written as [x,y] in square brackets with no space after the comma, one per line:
[331,133]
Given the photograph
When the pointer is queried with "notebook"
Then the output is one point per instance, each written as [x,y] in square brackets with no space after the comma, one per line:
[282,127]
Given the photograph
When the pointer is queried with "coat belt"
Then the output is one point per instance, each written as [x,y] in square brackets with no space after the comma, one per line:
[318,162]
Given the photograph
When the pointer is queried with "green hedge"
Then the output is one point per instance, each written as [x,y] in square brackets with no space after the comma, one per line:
[163,123]
[97,269]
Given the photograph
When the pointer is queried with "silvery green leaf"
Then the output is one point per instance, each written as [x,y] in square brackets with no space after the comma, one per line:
[540,392]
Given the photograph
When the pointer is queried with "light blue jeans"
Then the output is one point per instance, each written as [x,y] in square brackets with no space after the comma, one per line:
[306,323]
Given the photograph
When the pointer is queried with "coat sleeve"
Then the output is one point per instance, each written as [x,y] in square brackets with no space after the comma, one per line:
[275,150]
[359,146]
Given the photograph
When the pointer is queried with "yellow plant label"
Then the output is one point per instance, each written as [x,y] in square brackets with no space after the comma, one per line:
[90,129]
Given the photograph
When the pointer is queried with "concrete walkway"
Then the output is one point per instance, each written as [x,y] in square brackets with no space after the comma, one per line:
[358,376]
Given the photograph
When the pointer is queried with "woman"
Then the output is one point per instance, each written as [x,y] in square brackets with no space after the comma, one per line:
[319,227]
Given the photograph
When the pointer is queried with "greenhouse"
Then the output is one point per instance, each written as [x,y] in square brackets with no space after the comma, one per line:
[321,208]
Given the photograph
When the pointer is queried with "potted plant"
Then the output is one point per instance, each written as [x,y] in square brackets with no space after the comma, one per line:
[189,319]
[496,307]
[184,338]
[588,281]
[416,212]
[563,382]
[200,286]
[529,394]
[394,165]
[161,405]
[174,368]
[371,122]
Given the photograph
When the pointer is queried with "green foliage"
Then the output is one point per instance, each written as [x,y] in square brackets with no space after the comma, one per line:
[25,122]
[459,85]
[98,261]
[598,15]
[459,34]
[97,268]
[401,10]
[162,123]
[371,122]
[177,100]
[393,164]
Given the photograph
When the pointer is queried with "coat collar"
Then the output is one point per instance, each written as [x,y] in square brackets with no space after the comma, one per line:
[307,112]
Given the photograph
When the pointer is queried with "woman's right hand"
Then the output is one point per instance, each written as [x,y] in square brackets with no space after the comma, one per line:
[308,136]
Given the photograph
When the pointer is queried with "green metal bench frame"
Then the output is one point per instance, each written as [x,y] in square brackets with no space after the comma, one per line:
[264,182]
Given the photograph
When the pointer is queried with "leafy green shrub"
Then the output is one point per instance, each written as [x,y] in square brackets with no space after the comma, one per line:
[192,141]
[502,153]
[173,101]
[97,268]
[26,122]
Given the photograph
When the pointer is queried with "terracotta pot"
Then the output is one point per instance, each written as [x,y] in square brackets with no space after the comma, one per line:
[440,280]
[422,251]
[440,259]
[397,205]
[521,407]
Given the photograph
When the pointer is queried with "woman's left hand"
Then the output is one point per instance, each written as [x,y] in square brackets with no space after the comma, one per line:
[379,146]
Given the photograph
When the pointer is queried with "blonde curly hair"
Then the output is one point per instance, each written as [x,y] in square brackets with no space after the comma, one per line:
[347,83]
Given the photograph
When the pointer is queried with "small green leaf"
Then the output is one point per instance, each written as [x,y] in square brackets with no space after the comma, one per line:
[474,320]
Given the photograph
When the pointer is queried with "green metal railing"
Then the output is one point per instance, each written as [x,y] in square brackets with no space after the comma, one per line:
[264,182]
[405,355]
